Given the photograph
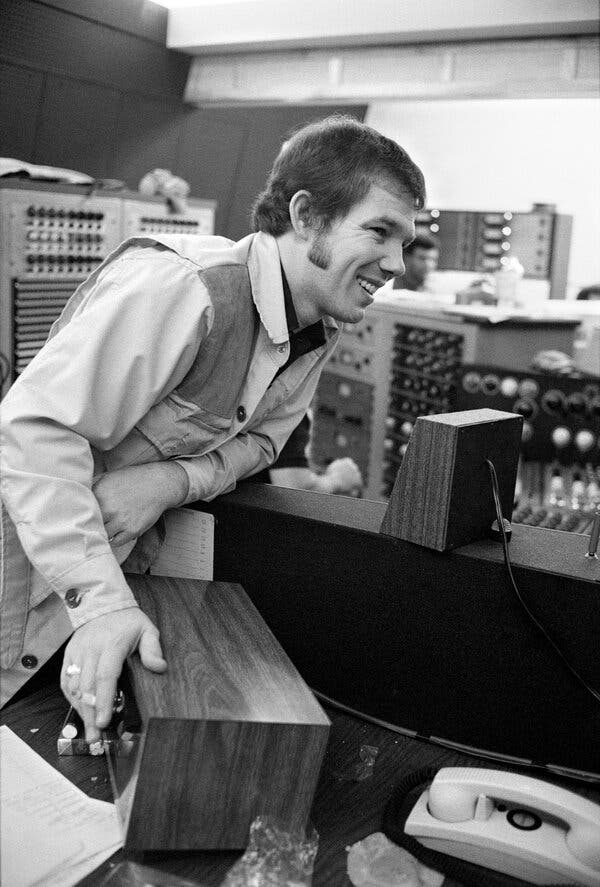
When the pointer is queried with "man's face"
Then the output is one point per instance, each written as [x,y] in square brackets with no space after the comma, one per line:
[359,253]
[419,263]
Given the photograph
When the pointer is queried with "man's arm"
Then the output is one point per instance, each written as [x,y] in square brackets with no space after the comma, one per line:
[136,489]
[135,340]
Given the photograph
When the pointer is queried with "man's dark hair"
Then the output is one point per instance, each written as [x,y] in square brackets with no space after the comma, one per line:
[589,292]
[421,241]
[336,159]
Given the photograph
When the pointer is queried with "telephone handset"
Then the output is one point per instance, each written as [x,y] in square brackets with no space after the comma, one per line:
[514,824]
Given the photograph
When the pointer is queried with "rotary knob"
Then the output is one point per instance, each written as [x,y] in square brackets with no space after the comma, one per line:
[525,408]
[584,440]
[553,401]
[576,403]
[471,382]
[490,384]
[561,437]
[529,388]
[509,386]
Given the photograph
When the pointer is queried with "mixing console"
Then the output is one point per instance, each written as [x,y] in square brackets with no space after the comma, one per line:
[423,373]
[558,484]
[404,361]
[51,239]
[557,497]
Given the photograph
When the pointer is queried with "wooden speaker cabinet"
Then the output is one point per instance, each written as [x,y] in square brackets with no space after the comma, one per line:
[229,732]
[442,497]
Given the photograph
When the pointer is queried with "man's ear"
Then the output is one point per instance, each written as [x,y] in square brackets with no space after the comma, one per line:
[301,214]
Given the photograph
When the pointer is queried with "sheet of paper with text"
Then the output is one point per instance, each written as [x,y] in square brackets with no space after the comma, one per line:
[187,552]
[51,833]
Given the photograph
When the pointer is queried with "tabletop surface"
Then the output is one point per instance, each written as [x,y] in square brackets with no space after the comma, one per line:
[346,808]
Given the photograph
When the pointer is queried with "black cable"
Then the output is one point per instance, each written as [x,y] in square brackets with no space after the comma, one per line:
[532,617]
[458,748]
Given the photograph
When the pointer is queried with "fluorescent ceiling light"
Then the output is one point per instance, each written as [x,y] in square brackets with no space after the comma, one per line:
[181,4]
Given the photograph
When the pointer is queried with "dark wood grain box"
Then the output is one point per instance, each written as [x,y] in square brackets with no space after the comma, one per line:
[229,732]
[442,497]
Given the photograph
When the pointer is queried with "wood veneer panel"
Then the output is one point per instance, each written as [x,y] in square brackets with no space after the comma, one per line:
[224,662]
[230,731]
[442,497]
[202,782]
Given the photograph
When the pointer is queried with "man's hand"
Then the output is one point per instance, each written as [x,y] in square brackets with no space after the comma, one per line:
[132,499]
[94,658]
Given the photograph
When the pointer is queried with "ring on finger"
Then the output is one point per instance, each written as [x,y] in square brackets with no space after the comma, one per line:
[72,670]
[118,702]
[88,699]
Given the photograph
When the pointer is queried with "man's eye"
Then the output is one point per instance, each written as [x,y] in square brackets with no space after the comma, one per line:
[382,232]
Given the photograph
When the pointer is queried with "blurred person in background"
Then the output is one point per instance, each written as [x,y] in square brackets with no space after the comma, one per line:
[420,259]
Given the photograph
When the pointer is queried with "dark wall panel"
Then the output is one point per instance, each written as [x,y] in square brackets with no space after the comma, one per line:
[87,144]
[148,138]
[209,154]
[89,85]
[267,129]
[20,95]
[141,17]
[49,39]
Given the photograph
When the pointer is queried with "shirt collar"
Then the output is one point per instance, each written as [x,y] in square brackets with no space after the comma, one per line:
[268,290]
[264,268]
[291,318]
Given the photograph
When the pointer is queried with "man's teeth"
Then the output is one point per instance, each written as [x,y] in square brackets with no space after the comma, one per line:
[368,286]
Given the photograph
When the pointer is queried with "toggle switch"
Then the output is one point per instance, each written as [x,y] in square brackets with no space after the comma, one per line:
[526,432]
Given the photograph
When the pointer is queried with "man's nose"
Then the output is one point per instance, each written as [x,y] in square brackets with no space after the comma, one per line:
[393,263]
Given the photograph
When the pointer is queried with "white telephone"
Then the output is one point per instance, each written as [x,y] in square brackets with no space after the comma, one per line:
[510,823]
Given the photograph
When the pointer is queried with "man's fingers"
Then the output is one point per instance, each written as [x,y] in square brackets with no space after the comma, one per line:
[151,652]
[94,658]
[86,705]
[107,674]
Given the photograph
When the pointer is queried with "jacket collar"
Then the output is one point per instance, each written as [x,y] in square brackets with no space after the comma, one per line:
[258,251]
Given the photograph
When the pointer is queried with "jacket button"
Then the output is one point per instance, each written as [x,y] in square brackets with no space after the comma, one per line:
[29,661]
[72,598]
[241,414]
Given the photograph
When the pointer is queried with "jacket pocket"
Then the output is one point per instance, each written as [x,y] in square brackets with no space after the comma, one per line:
[177,427]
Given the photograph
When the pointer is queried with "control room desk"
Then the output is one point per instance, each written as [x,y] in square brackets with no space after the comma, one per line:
[344,810]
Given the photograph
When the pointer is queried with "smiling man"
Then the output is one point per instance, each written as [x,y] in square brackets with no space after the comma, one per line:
[181,366]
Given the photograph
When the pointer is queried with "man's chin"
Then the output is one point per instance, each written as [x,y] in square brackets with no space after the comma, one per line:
[356,316]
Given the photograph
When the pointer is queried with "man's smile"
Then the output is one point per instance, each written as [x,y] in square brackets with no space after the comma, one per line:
[368,286]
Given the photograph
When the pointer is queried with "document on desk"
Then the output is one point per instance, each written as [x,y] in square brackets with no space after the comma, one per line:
[51,833]
[187,550]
